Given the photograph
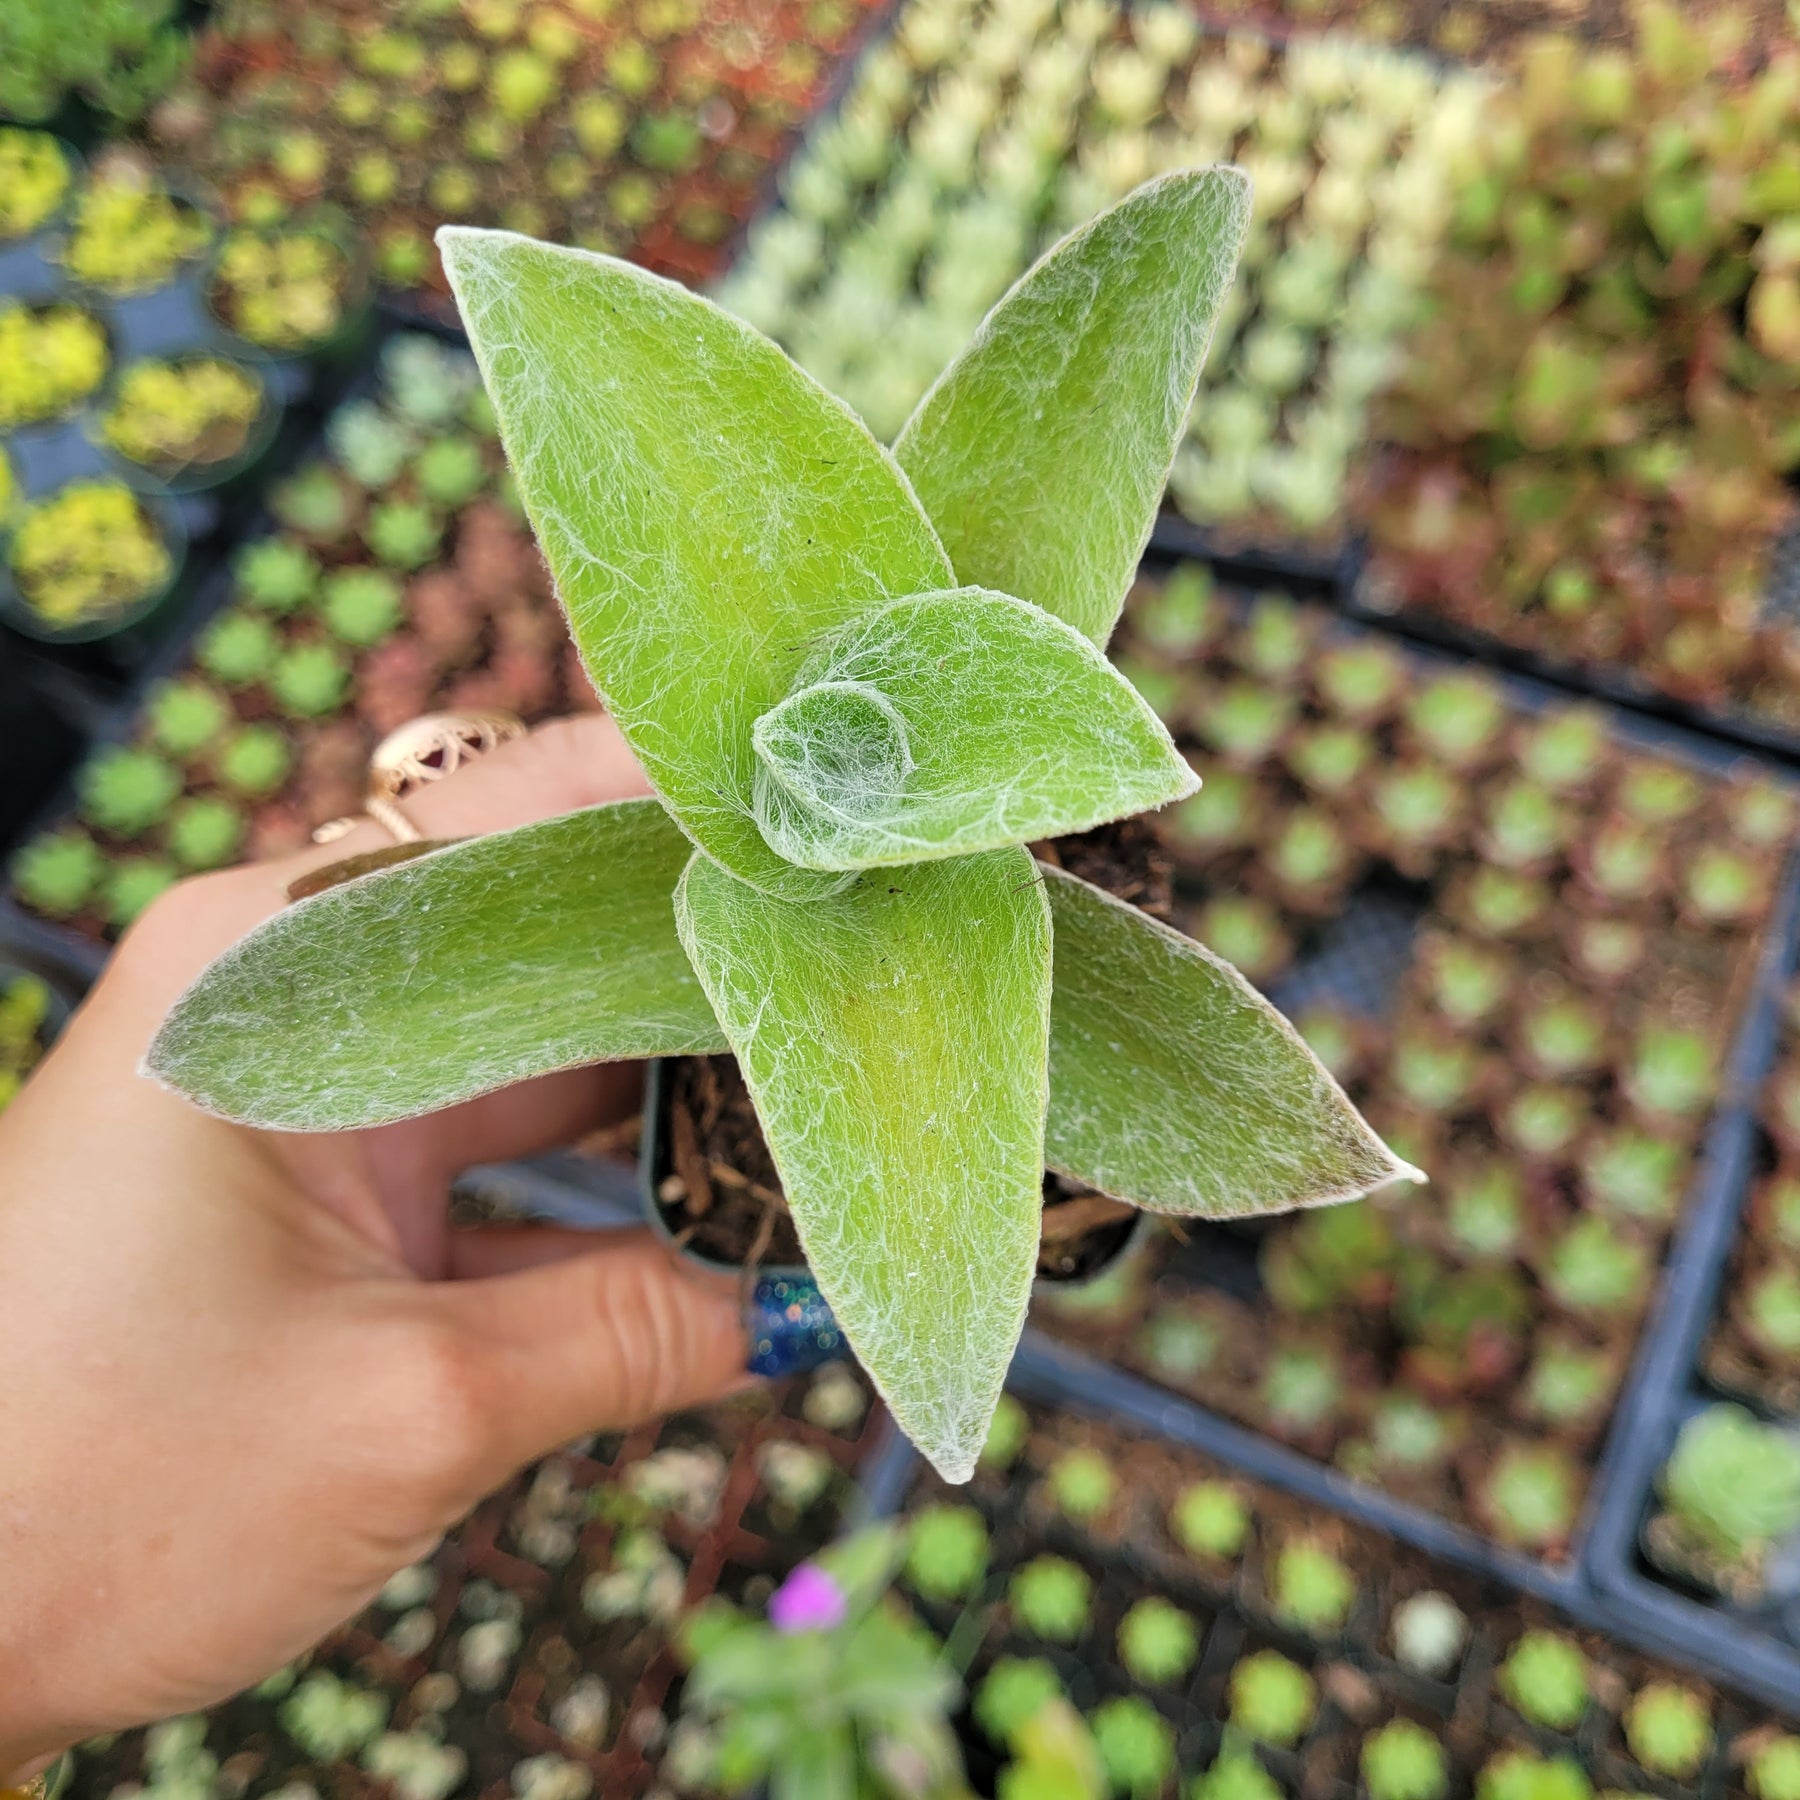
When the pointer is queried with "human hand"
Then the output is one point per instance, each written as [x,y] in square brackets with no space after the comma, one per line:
[248,1375]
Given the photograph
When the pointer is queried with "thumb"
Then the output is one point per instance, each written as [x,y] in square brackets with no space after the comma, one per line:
[594,1342]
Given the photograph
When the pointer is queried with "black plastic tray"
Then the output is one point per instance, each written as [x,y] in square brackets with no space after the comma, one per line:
[1665,1390]
[1620,686]
[1326,572]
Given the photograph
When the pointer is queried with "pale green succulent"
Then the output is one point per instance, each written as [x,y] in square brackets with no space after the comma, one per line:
[861,683]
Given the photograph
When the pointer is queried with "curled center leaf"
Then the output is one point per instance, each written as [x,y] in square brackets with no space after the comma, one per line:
[840,746]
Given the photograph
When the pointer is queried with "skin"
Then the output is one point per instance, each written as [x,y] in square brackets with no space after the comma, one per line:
[246,1376]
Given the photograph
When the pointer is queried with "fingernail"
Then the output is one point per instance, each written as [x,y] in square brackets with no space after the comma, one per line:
[791,1327]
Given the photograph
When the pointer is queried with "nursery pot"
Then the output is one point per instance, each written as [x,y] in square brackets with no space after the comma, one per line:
[18,612]
[344,339]
[656,1163]
[194,478]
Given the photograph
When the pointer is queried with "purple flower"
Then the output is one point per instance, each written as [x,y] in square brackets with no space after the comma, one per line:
[809,1600]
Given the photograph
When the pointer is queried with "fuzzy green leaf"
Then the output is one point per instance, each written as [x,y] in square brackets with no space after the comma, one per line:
[706,509]
[447,976]
[894,1038]
[1042,451]
[951,723]
[1176,1086]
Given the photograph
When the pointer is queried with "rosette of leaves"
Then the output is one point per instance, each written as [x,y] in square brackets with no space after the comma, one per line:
[861,683]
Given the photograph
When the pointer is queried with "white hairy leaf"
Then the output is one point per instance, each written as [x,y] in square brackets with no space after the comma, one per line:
[950,723]
[706,509]
[458,972]
[1175,1085]
[893,1038]
[1041,453]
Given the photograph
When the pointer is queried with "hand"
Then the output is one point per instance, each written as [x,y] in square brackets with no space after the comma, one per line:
[246,1376]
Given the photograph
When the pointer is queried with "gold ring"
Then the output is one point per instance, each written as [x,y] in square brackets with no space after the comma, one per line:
[422,751]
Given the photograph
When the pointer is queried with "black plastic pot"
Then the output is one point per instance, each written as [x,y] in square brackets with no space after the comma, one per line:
[1758,1647]
[17,611]
[655,1164]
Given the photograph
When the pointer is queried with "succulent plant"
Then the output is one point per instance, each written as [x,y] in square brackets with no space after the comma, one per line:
[239,648]
[1245,721]
[1732,1486]
[1050,1597]
[451,470]
[1623,861]
[205,832]
[34,178]
[1006,1435]
[1177,1345]
[1525,826]
[362,606]
[1271,1698]
[1634,1174]
[1404,1761]
[128,234]
[131,884]
[186,716]
[1430,1632]
[1014,1690]
[1529,1496]
[309,680]
[1767,1308]
[1210,1520]
[1543,1121]
[1520,1774]
[1544,1678]
[1569,1384]
[127,791]
[1772,1771]
[1310,1588]
[254,761]
[51,359]
[1082,1484]
[1672,1073]
[313,502]
[58,872]
[403,533]
[1158,1642]
[1247,933]
[1136,1745]
[1225,815]
[88,551]
[946,1551]
[276,574]
[1458,719]
[1669,1728]
[171,416]
[330,1719]
[1236,1774]
[1595,1269]
[1302,1390]
[1484,1210]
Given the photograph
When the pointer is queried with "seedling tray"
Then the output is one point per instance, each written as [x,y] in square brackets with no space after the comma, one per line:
[1130,1553]
[1357,963]
[1620,686]
[1760,1644]
[1328,570]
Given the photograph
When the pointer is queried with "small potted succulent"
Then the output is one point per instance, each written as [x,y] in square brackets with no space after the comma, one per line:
[1271,1699]
[89,560]
[1669,1730]
[127,234]
[1545,1679]
[1730,1495]
[36,172]
[291,290]
[861,796]
[32,1012]
[1528,1495]
[52,358]
[1404,1761]
[191,422]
